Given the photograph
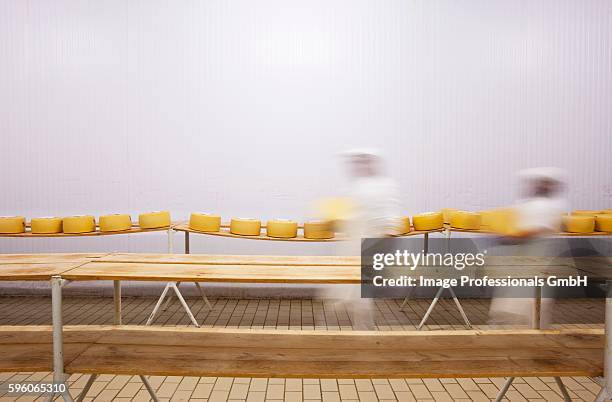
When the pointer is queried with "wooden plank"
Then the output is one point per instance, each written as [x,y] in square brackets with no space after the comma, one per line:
[310,354]
[30,348]
[39,258]
[118,360]
[339,354]
[35,272]
[208,259]
[339,340]
[212,273]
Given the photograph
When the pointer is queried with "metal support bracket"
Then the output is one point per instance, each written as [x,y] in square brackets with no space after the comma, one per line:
[174,287]
[435,301]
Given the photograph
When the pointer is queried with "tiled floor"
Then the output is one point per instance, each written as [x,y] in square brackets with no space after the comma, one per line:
[296,314]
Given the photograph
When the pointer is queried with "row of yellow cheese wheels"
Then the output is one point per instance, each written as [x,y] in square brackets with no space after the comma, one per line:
[503,220]
[83,223]
[499,220]
[278,228]
[284,228]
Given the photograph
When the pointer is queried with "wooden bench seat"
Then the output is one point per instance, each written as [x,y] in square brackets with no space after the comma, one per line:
[307,354]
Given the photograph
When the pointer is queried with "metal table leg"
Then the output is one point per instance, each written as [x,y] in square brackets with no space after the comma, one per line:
[170,241]
[606,391]
[59,377]
[536,315]
[504,389]
[186,242]
[117,299]
[431,307]
[425,250]
[149,388]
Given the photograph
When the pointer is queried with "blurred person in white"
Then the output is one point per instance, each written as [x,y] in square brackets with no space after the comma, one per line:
[375,197]
[374,212]
[538,215]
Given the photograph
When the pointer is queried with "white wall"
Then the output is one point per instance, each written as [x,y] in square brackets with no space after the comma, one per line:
[238,106]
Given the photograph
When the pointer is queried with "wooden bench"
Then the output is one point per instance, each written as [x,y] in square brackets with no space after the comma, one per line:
[136,350]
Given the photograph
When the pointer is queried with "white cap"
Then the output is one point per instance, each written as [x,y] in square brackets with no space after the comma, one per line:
[374,152]
[550,173]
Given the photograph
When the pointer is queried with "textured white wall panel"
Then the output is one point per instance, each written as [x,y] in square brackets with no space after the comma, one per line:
[129,106]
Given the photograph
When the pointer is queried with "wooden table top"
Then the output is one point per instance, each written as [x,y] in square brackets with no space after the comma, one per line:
[266,269]
[214,273]
[40,258]
[35,272]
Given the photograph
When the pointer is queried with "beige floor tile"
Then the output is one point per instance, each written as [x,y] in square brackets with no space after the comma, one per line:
[106,395]
[330,396]
[239,391]
[258,384]
[218,396]
[312,391]
[166,390]
[181,396]
[348,391]
[420,391]
[364,385]
[256,396]
[293,384]
[130,390]
[223,384]
[202,391]
[275,391]
[293,396]
[329,385]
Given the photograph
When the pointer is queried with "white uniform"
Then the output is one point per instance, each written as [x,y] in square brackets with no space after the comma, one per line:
[537,214]
[377,214]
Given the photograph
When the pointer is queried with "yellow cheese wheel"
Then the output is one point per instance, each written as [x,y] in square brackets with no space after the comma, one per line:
[428,221]
[46,225]
[448,214]
[466,220]
[500,220]
[12,224]
[245,226]
[603,223]
[79,224]
[318,230]
[115,223]
[404,225]
[154,220]
[282,228]
[579,223]
[332,209]
[487,218]
[205,222]
[586,212]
